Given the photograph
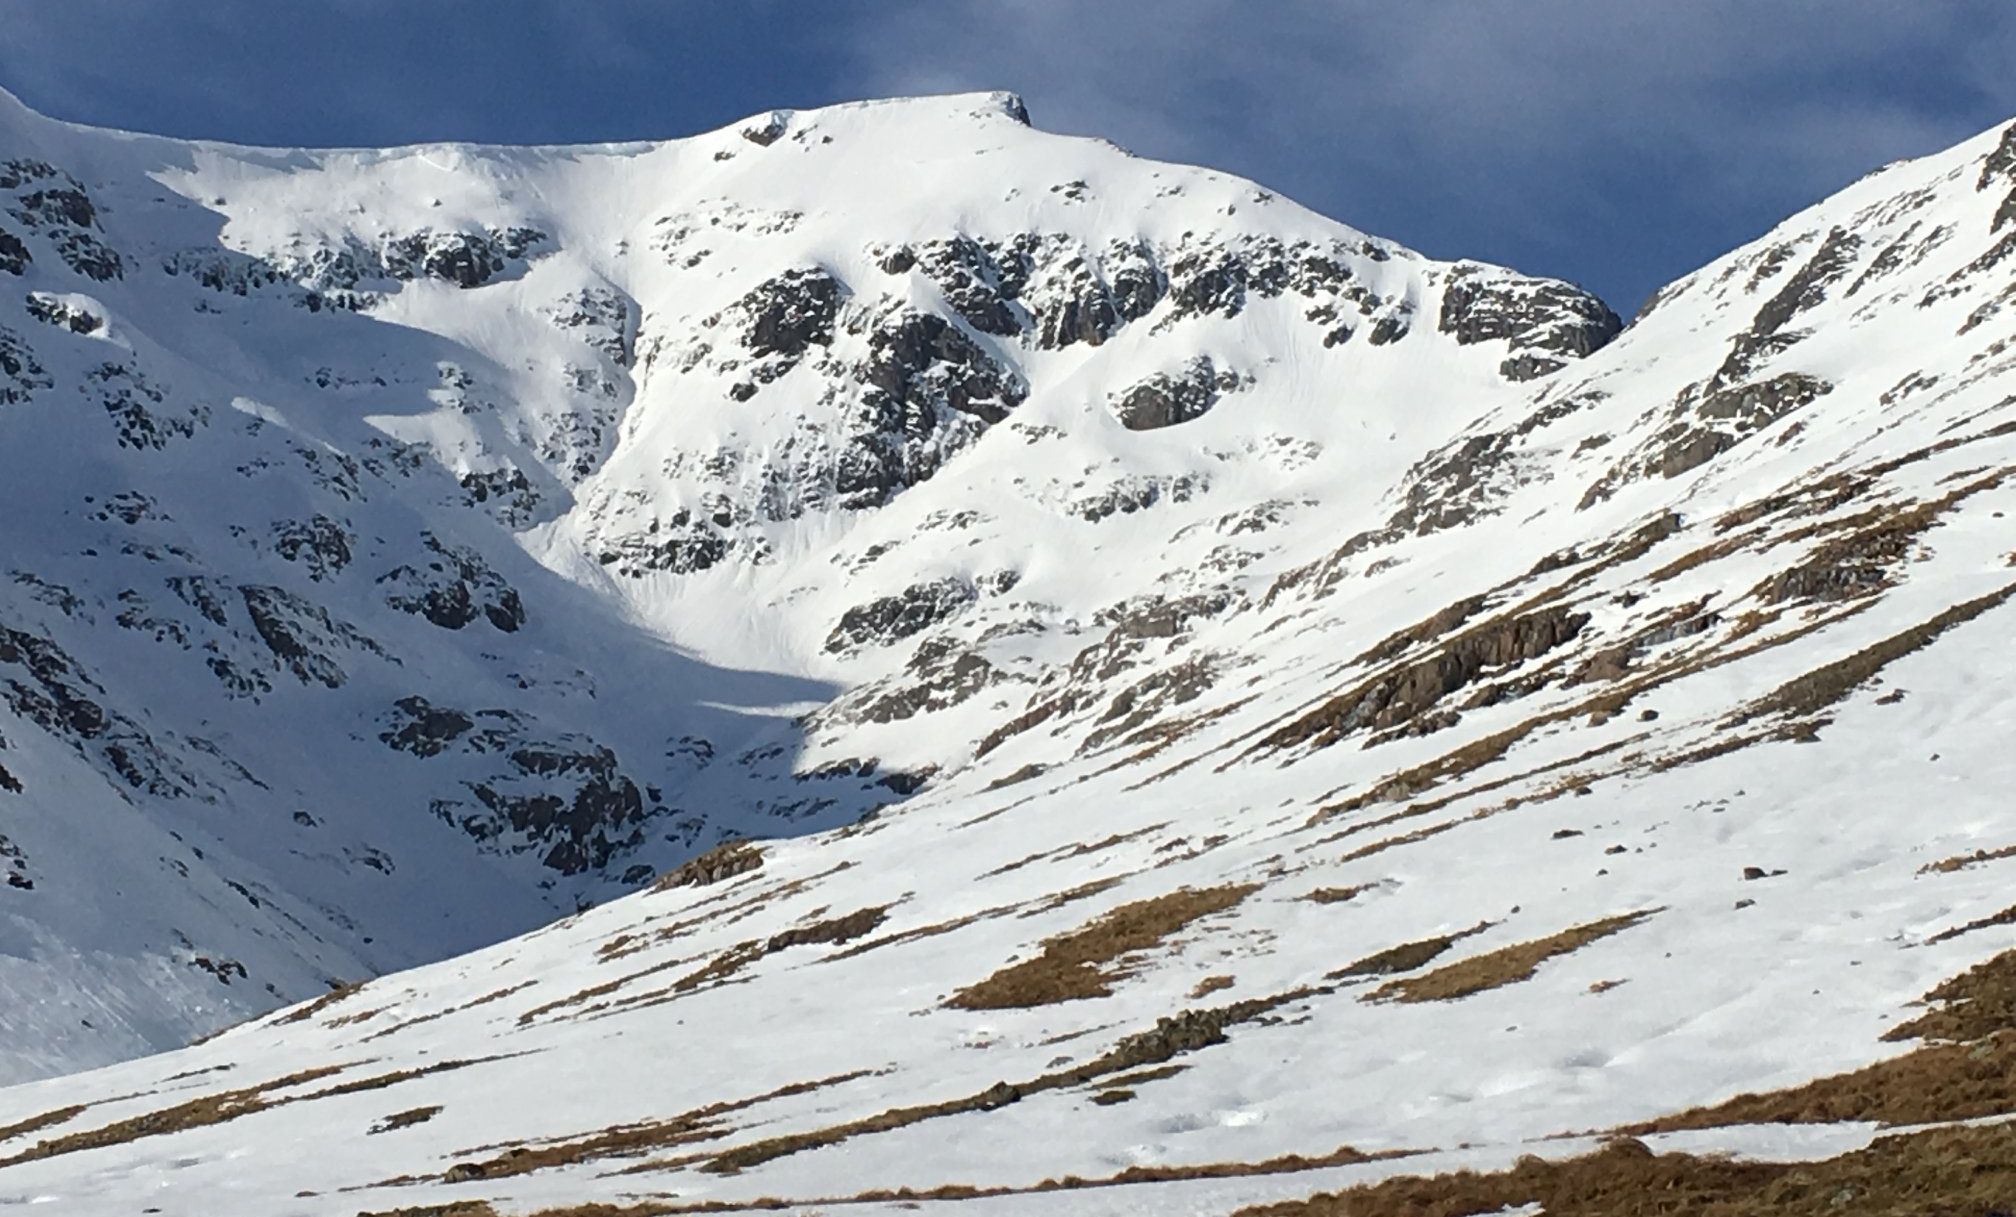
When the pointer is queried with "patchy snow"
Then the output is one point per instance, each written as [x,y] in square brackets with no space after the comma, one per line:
[809,513]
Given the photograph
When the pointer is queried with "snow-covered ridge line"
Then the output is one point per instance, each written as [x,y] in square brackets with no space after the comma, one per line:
[1179,656]
[467,531]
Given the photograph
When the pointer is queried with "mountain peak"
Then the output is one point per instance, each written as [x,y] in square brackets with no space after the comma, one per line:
[559,608]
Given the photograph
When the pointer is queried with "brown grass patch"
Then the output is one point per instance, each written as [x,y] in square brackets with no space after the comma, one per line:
[1210,985]
[1960,862]
[181,1117]
[724,861]
[1504,966]
[1941,1171]
[1407,956]
[1077,849]
[406,1119]
[632,1140]
[47,1119]
[1072,895]
[224,1106]
[1170,1037]
[486,999]
[1079,965]
[1338,895]
[1971,1006]
[2005,917]
[920,932]
[1823,687]
[834,931]
[302,1014]
[527,1017]
[911,1197]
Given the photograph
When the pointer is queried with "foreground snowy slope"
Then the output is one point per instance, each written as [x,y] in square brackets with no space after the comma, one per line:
[408,547]
[1480,766]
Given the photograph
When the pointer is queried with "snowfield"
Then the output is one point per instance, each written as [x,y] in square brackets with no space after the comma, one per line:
[1033,680]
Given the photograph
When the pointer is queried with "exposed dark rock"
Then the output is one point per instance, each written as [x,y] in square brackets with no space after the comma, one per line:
[1806,288]
[506,493]
[24,375]
[2001,167]
[1396,697]
[454,589]
[1073,305]
[917,360]
[724,861]
[466,259]
[942,673]
[897,260]
[1166,399]
[894,618]
[768,129]
[41,683]
[1862,560]
[14,257]
[301,635]
[604,318]
[1739,411]
[972,282]
[1529,367]
[425,729]
[680,546]
[139,407]
[319,543]
[566,796]
[53,311]
[1392,327]
[60,210]
[88,256]
[1133,493]
[790,313]
[1531,315]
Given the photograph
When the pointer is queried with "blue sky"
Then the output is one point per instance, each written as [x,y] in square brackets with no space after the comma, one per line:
[1619,143]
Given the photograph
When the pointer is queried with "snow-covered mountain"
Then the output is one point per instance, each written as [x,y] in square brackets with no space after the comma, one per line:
[1226,707]
[407,547]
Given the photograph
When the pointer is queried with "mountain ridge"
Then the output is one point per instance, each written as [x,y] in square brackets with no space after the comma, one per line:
[1241,713]
[503,397]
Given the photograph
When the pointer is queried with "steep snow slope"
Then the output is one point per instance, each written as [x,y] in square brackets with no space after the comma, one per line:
[1549,759]
[408,547]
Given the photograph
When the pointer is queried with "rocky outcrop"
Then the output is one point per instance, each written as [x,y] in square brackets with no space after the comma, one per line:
[781,318]
[455,588]
[1398,697]
[893,618]
[41,683]
[465,259]
[320,544]
[560,795]
[303,636]
[604,318]
[141,413]
[72,315]
[1543,323]
[1767,334]
[1218,278]
[55,207]
[1166,399]
[23,374]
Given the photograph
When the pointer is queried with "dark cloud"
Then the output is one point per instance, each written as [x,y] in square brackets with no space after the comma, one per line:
[1613,142]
